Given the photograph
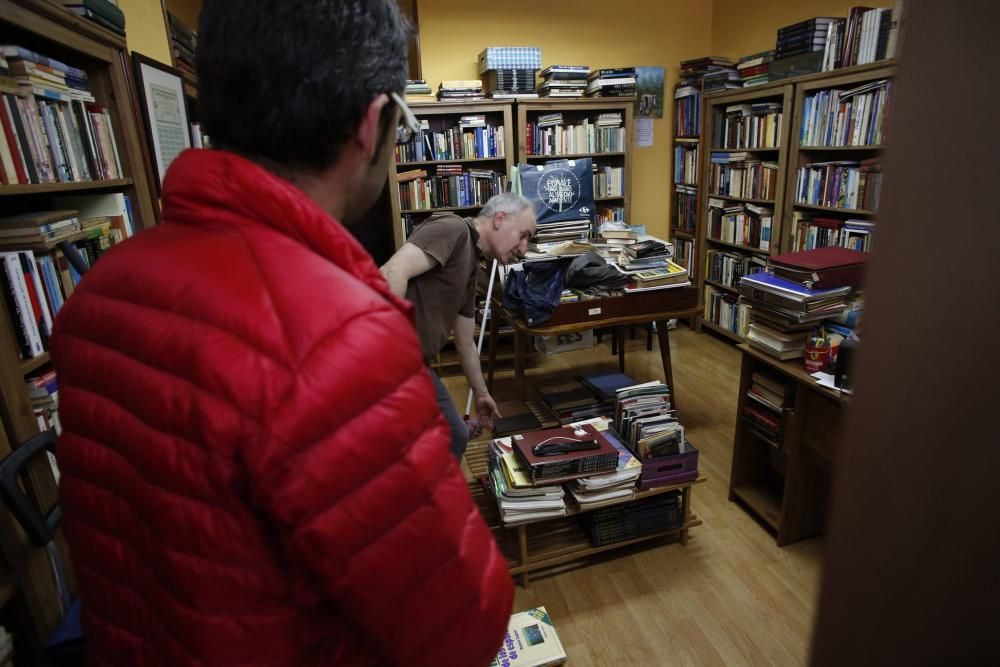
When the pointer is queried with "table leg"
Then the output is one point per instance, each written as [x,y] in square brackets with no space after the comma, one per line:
[494,332]
[685,512]
[621,349]
[522,538]
[519,353]
[662,336]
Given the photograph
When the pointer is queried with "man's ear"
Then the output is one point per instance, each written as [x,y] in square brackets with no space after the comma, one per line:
[367,135]
[498,218]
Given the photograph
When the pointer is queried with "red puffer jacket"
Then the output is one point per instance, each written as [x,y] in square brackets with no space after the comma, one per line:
[255,471]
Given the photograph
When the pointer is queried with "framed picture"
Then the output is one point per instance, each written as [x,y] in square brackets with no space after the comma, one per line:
[164,110]
[649,97]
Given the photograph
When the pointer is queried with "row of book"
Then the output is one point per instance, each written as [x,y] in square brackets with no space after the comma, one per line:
[725,311]
[726,267]
[687,111]
[742,175]
[811,232]
[607,214]
[473,137]
[547,135]
[37,278]
[685,208]
[745,225]
[764,413]
[566,81]
[754,69]
[473,187]
[608,181]
[685,165]
[867,35]
[741,126]
[683,253]
[842,184]
[855,117]
[51,131]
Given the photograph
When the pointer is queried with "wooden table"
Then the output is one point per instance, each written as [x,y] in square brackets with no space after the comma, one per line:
[657,306]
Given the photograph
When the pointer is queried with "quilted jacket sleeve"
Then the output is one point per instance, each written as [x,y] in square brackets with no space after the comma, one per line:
[355,469]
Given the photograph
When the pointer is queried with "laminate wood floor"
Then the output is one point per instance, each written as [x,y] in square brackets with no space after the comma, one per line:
[730,597]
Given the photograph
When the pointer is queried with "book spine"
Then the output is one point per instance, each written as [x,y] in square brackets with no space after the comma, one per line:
[24,309]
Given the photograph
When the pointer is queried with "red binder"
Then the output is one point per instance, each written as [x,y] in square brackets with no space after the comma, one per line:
[821,268]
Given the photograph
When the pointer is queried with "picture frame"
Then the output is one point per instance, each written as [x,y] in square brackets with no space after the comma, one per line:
[160,89]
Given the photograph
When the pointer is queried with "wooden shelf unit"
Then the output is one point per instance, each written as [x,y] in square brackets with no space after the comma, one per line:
[786,486]
[781,92]
[687,235]
[548,543]
[573,111]
[440,115]
[801,155]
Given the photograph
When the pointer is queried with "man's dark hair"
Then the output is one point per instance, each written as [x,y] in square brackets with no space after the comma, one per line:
[288,81]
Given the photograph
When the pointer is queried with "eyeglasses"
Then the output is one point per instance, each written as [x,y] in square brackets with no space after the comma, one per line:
[408,124]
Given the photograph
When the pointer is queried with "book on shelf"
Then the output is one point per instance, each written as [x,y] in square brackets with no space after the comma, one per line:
[843,184]
[726,267]
[809,232]
[746,225]
[743,126]
[853,117]
[531,641]
[726,311]
[867,35]
[644,517]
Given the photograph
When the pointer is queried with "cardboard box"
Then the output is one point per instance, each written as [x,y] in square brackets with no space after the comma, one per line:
[579,340]
[510,57]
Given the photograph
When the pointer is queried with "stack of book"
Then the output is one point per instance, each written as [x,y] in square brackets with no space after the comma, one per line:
[548,234]
[671,276]
[724,77]
[104,13]
[647,253]
[511,83]
[184,44]
[518,499]
[43,392]
[657,514]
[462,90]
[765,412]
[616,82]
[417,90]
[564,80]
[610,487]
[754,68]
[865,36]
[695,69]
[562,454]
[570,400]
[800,47]
[810,232]
[645,419]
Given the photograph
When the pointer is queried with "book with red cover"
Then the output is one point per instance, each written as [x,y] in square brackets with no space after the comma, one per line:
[570,465]
[821,268]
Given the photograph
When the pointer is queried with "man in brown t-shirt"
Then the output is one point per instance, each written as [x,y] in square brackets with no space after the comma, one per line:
[436,270]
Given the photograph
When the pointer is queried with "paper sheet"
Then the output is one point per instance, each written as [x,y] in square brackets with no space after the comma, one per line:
[643,132]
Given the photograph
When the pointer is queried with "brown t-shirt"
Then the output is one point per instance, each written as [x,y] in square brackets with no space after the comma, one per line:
[449,288]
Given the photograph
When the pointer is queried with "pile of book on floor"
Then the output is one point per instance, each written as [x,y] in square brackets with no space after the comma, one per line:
[655,514]
[647,253]
[765,412]
[184,44]
[615,82]
[104,13]
[531,641]
[754,68]
[460,90]
[572,399]
[616,486]
[645,419]
[564,80]
[417,90]
[798,291]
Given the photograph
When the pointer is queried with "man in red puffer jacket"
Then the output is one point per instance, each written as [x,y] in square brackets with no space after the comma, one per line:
[255,471]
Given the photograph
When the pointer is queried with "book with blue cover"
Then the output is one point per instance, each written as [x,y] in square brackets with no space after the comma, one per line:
[604,385]
[791,290]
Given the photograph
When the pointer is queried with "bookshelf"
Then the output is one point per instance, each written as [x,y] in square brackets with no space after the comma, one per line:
[744,161]
[49,29]
[808,146]
[684,211]
[574,113]
[439,119]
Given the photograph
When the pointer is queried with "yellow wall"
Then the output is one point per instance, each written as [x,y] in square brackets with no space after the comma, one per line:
[586,32]
[739,28]
[145,30]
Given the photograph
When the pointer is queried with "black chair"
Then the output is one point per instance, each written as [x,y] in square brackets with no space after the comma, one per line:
[65,646]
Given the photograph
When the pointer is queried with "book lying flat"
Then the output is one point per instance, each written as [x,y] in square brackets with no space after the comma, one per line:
[531,641]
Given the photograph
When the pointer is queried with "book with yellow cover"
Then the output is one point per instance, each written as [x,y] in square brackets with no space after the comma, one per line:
[531,641]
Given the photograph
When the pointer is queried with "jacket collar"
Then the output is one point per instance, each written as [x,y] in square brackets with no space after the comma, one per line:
[201,181]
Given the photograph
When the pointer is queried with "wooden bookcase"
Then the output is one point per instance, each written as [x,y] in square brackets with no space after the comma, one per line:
[51,30]
[549,543]
[785,483]
[780,92]
[442,116]
[574,111]
[679,232]
[800,155]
